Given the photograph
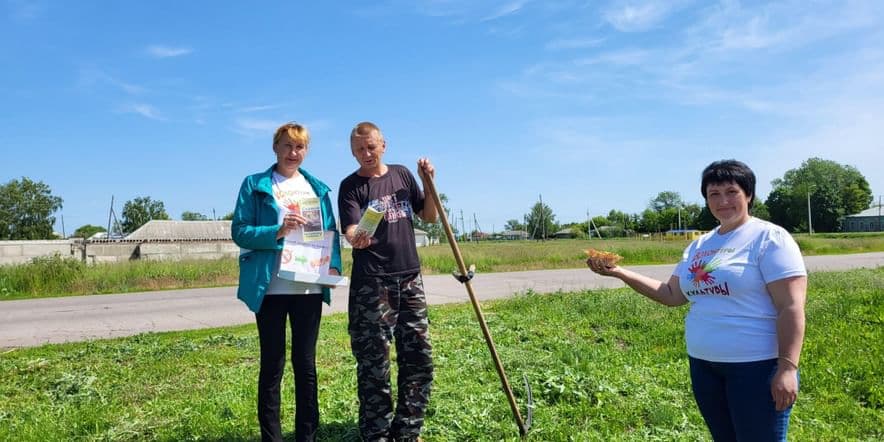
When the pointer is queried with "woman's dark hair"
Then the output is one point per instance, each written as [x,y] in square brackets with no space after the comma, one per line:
[730,171]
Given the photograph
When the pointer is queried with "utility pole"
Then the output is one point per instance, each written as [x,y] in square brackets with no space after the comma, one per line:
[63,234]
[588,224]
[679,218]
[109,214]
[809,225]
[462,225]
[542,224]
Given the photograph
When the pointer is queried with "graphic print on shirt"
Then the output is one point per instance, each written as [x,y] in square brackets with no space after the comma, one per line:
[703,264]
[294,195]
[393,208]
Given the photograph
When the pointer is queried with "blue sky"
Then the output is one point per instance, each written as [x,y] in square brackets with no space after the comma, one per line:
[595,105]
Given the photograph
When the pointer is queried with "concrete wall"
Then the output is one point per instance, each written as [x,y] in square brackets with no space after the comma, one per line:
[111,251]
[17,252]
[188,250]
[20,252]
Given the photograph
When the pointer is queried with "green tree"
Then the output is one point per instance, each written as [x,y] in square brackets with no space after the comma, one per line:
[759,210]
[665,200]
[513,224]
[834,190]
[622,219]
[434,230]
[86,231]
[649,222]
[540,222]
[139,211]
[706,221]
[193,216]
[228,217]
[600,221]
[26,209]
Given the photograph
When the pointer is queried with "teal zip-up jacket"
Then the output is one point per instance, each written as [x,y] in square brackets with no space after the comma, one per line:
[255,225]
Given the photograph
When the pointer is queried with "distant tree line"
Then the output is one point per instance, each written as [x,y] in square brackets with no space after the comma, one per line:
[819,192]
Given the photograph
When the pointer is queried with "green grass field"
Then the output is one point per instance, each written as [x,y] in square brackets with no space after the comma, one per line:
[49,277]
[603,365]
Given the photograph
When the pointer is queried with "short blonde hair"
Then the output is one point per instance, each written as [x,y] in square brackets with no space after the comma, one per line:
[295,131]
[364,129]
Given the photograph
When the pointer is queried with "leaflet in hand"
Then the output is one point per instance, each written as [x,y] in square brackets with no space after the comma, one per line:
[369,221]
[308,261]
[310,209]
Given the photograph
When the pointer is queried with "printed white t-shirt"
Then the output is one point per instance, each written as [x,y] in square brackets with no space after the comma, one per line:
[288,193]
[724,276]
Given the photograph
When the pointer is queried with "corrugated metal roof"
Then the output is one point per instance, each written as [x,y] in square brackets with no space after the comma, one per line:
[165,230]
[872,211]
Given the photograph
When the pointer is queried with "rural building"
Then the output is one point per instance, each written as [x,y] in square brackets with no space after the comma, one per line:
[514,234]
[689,234]
[171,230]
[869,220]
[565,233]
[421,238]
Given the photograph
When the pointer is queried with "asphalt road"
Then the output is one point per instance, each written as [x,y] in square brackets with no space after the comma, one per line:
[54,320]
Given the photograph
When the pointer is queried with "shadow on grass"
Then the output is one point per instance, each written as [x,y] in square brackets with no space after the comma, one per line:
[332,431]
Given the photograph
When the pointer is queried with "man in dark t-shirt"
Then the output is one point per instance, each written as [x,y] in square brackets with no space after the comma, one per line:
[387,298]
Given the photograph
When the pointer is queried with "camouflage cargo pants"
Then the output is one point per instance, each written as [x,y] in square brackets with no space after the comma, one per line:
[381,309]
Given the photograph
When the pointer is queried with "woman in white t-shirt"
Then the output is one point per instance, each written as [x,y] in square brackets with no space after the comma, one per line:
[746,284]
[278,202]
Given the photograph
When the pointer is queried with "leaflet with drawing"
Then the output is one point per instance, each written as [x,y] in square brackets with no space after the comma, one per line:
[308,261]
[311,210]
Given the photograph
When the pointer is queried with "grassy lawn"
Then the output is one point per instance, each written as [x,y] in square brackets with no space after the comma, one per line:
[603,365]
[49,277]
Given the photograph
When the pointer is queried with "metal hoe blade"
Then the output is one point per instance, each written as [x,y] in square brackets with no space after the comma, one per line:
[464,277]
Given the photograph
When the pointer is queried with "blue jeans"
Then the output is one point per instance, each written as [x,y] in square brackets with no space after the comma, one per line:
[735,400]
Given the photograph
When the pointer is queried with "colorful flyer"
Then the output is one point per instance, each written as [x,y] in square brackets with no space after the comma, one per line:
[312,211]
[369,221]
[308,261]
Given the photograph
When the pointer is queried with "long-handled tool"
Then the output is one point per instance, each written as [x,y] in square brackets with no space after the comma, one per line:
[464,277]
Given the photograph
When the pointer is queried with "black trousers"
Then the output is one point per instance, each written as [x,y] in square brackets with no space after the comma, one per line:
[304,313]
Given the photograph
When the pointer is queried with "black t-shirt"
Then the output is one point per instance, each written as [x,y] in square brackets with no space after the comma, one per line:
[397,194]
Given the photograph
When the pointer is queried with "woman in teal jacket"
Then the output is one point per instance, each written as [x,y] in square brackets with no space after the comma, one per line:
[267,209]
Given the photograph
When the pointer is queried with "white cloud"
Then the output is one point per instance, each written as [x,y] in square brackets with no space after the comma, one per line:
[145,110]
[732,26]
[258,108]
[89,77]
[160,51]
[253,125]
[507,9]
[638,16]
[574,43]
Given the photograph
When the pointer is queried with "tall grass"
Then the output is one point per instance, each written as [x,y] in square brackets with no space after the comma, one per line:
[603,365]
[836,243]
[56,276]
[53,276]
